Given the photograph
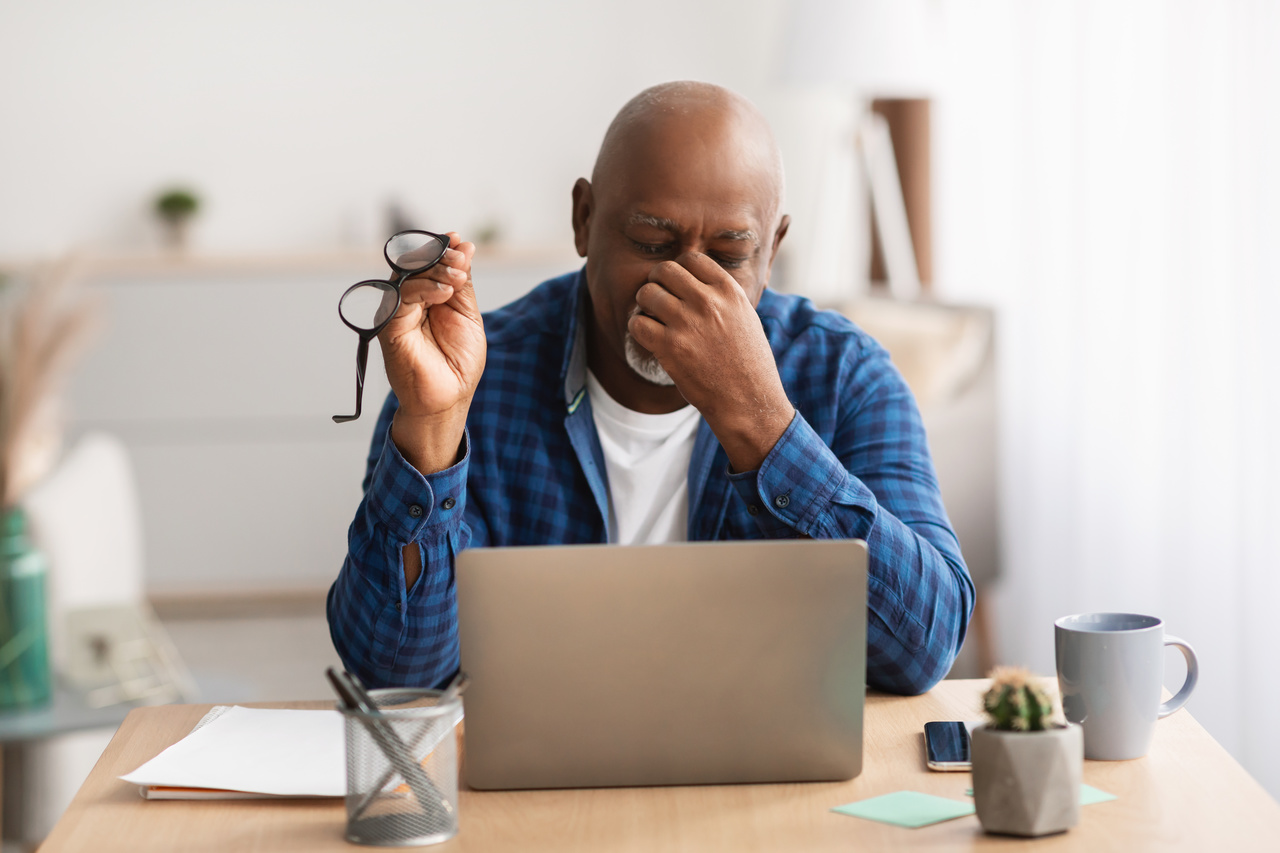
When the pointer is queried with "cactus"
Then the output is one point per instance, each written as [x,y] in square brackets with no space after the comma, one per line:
[1016,702]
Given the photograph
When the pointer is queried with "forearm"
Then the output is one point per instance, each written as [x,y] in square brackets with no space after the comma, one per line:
[919,595]
[430,443]
[392,612]
[919,599]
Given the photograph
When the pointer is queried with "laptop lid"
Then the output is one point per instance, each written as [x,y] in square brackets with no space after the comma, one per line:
[699,663]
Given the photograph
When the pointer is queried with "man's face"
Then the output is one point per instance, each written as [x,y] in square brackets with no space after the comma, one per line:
[674,193]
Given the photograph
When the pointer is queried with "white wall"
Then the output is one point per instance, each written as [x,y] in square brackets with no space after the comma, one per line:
[299,121]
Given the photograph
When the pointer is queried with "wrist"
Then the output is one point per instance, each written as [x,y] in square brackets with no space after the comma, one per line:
[747,441]
[430,443]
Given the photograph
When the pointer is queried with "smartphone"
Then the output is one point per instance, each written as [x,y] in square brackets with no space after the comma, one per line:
[946,745]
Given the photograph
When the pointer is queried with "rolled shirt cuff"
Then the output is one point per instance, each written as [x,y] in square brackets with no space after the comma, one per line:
[409,504]
[795,488]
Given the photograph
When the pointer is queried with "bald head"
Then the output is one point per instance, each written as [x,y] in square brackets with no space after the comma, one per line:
[691,121]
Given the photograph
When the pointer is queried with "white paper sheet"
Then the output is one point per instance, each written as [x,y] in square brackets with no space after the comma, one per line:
[259,750]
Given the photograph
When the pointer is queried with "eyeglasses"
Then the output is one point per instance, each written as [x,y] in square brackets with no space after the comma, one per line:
[367,306]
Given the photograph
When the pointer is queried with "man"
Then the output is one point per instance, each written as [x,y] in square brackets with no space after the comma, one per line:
[661,393]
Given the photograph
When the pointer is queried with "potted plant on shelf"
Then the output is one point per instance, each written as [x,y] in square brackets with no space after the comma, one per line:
[176,208]
[1027,762]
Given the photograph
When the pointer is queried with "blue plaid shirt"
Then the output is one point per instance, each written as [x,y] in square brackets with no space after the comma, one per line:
[853,464]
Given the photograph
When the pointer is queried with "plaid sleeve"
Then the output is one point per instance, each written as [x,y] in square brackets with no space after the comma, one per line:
[795,486]
[384,633]
[876,482]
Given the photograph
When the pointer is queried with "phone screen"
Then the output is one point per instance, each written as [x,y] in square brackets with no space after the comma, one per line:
[947,745]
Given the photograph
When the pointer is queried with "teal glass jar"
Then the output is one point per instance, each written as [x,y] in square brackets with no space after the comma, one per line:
[24,634]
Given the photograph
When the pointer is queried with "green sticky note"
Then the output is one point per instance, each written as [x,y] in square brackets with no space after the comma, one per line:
[907,808]
[1088,795]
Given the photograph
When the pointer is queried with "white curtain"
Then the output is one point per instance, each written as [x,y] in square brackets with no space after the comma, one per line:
[1107,177]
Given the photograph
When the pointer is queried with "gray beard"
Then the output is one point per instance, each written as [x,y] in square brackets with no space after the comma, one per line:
[647,366]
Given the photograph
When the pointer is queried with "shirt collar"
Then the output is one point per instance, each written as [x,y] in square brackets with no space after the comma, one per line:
[573,366]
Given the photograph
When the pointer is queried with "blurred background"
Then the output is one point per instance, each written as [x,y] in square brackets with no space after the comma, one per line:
[1091,188]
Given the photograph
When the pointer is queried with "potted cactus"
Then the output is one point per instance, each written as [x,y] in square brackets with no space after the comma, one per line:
[1027,763]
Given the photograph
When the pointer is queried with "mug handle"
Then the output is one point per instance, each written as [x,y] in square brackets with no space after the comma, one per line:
[1193,673]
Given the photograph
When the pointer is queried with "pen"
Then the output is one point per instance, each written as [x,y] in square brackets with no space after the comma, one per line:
[354,697]
[451,691]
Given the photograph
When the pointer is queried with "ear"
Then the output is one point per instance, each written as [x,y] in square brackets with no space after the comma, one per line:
[581,215]
[777,239]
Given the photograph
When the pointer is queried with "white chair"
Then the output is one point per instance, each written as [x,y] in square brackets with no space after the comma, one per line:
[85,518]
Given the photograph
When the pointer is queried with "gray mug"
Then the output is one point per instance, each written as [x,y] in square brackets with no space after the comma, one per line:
[1110,671]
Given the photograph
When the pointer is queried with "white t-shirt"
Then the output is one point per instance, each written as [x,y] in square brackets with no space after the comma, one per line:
[646,458]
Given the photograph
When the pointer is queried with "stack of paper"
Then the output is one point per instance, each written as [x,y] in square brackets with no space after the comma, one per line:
[240,752]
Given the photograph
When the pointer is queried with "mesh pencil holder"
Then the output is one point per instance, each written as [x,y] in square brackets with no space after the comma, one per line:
[389,802]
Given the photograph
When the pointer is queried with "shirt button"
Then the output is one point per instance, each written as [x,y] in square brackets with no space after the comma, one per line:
[753,510]
[415,510]
[781,501]
[449,503]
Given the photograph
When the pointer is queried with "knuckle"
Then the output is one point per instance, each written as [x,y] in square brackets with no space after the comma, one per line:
[639,329]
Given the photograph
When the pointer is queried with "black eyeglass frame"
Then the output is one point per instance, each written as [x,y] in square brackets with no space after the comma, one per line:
[367,335]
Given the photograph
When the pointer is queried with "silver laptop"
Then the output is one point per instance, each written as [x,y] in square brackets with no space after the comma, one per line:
[703,663]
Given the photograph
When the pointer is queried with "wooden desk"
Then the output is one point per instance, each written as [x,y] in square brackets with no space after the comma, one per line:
[1188,794]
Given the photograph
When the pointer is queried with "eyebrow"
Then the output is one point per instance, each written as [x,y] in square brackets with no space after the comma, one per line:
[664,224]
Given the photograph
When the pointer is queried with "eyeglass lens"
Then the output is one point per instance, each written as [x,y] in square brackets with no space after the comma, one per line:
[368,305]
[413,250]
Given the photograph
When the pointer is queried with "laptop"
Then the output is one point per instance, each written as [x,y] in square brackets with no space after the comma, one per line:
[699,663]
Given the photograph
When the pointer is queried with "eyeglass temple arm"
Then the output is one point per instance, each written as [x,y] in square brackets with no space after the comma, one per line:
[362,360]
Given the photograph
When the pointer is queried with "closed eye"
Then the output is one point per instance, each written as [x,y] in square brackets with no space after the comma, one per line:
[731,263]
[652,249]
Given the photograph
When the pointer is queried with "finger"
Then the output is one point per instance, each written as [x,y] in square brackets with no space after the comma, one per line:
[426,291]
[464,298]
[649,333]
[658,302]
[407,317]
[679,281]
[459,259]
[468,249]
[706,270]
[457,243]
[454,268]
[455,258]
[448,282]
[445,274]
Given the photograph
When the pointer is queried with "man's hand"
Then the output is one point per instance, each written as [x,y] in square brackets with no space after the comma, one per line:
[704,330]
[434,351]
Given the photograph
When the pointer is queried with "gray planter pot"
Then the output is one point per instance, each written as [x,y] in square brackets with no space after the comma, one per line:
[1027,783]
